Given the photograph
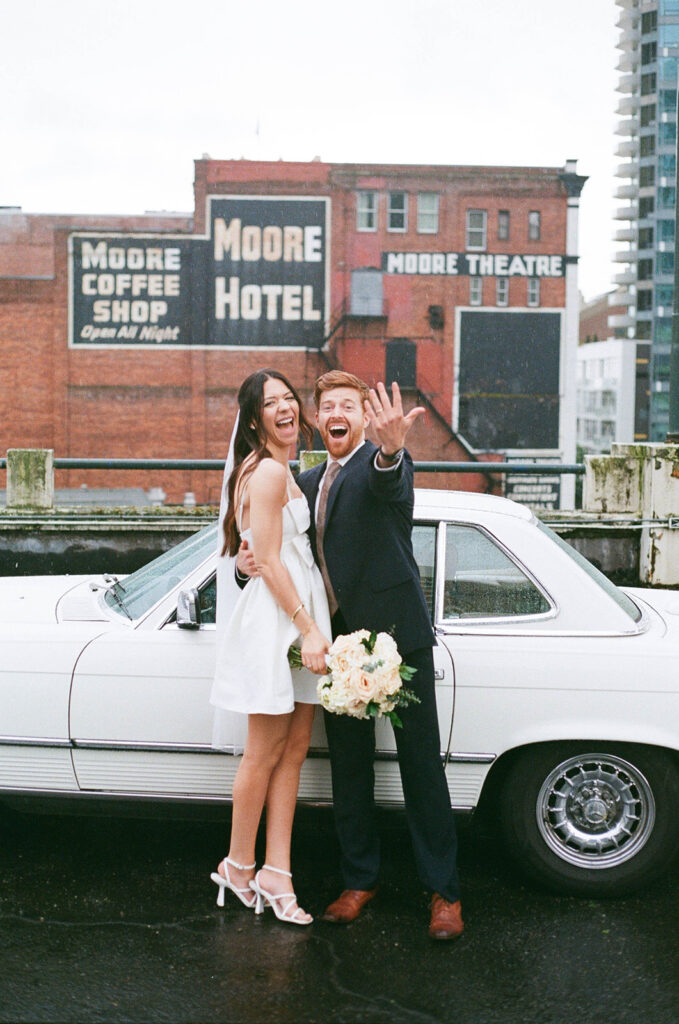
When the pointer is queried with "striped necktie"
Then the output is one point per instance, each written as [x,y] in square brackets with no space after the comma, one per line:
[327,482]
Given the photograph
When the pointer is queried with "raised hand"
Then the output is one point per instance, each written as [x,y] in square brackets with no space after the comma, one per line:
[387,418]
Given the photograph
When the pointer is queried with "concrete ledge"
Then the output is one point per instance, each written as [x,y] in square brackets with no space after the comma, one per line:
[151,518]
[120,540]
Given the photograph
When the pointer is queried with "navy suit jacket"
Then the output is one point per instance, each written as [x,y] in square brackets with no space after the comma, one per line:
[368,547]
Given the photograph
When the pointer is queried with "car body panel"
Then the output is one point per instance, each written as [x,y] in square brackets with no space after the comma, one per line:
[98,703]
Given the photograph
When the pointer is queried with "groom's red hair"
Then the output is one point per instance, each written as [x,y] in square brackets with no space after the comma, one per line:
[339,379]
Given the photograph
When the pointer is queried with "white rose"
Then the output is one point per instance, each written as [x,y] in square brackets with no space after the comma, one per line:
[386,649]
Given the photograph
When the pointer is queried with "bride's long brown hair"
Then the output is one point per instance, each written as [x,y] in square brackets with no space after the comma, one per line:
[251,439]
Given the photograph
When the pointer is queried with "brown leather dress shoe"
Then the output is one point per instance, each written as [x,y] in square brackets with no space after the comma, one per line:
[348,906]
[446,918]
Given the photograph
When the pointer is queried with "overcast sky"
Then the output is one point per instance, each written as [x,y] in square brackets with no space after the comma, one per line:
[106,105]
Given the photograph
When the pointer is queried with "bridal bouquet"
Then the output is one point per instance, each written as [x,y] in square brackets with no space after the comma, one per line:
[365,677]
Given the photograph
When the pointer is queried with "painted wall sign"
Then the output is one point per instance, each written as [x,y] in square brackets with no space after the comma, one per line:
[130,289]
[269,271]
[259,279]
[473,264]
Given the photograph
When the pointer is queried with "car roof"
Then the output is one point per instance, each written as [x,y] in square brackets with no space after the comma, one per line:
[442,503]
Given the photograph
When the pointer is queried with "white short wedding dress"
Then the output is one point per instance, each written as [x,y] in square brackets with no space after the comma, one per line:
[252,674]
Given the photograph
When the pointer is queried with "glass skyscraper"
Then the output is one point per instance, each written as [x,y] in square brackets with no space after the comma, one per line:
[649,45]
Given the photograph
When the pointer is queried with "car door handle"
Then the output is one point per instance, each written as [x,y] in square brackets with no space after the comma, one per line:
[439,673]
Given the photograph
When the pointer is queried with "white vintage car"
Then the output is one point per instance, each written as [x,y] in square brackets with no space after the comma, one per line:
[558,693]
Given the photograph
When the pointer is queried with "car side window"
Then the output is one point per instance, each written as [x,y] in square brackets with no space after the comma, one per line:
[482,582]
[424,548]
[208,601]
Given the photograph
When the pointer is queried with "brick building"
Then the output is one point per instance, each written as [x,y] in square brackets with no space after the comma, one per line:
[129,336]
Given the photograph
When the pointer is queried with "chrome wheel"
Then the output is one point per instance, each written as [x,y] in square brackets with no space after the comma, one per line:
[595,810]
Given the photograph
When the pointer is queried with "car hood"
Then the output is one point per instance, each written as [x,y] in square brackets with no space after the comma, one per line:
[33,598]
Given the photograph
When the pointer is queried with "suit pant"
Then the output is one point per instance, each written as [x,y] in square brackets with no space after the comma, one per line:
[351,742]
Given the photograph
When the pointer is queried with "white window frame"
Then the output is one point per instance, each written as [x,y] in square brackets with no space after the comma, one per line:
[502,291]
[476,291]
[432,216]
[402,212]
[472,230]
[366,206]
[533,298]
[500,215]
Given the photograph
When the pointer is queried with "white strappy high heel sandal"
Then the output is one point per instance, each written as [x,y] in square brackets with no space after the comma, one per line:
[246,895]
[263,898]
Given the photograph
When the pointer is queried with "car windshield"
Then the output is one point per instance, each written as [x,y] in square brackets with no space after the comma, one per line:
[621,599]
[139,591]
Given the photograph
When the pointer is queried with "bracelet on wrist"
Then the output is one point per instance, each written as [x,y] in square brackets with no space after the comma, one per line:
[297,610]
[391,458]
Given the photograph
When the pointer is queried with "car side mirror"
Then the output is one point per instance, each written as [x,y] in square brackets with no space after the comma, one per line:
[188,609]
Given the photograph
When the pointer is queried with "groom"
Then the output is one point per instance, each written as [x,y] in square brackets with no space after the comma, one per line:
[361,503]
[364,550]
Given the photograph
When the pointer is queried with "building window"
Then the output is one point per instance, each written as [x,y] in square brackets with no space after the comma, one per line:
[648,52]
[664,262]
[661,367]
[366,211]
[665,230]
[502,291]
[647,144]
[645,270]
[503,225]
[662,330]
[664,294]
[667,134]
[667,165]
[666,198]
[645,206]
[668,35]
[397,211]
[643,329]
[647,115]
[668,69]
[533,291]
[475,291]
[648,84]
[534,226]
[427,213]
[645,238]
[669,7]
[668,101]
[647,176]
[649,22]
[645,300]
[476,229]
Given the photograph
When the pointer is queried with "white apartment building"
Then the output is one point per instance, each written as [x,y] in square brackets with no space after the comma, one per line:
[606,394]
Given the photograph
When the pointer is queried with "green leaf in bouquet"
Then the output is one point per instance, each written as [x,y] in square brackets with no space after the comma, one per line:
[369,644]
[294,657]
[406,672]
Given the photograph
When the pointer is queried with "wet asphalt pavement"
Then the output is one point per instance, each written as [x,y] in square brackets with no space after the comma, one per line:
[115,920]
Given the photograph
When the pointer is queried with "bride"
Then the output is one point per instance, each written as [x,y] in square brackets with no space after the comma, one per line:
[284,603]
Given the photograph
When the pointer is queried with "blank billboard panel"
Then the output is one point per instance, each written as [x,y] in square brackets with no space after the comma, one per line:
[509,379]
